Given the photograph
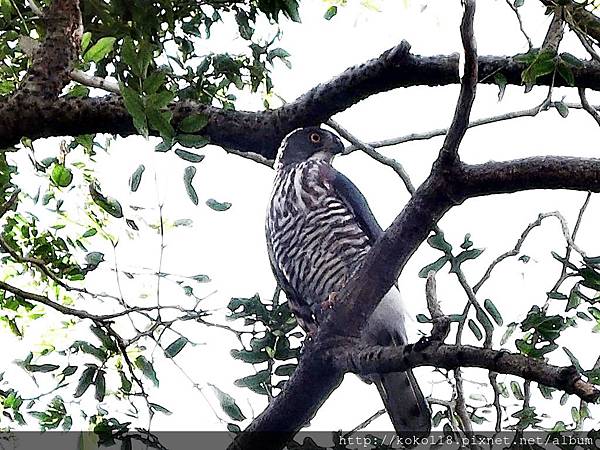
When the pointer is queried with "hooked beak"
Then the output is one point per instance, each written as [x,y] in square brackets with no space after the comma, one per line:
[333,145]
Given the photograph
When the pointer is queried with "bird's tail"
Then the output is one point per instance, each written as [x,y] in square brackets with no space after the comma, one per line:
[405,403]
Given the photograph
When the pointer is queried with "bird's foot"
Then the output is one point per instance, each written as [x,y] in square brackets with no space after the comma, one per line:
[330,302]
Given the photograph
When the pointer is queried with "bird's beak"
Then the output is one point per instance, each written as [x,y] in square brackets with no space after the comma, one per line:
[335,145]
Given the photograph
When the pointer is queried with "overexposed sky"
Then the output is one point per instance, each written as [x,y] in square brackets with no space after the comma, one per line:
[229,246]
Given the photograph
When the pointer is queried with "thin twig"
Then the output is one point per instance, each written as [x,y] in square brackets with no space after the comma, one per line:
[365,423]
[10,203]
[586,44]
[589,108]
[563,273]
[523,32]
[369,150]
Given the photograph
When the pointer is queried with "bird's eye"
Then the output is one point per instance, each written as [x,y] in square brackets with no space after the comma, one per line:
[315,138]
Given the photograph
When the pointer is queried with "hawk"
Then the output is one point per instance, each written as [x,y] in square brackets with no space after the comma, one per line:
[319,228]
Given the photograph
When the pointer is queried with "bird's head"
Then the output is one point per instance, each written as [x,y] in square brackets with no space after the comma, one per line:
[308,143]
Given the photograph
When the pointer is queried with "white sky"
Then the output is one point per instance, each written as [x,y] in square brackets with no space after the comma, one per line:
[230,248]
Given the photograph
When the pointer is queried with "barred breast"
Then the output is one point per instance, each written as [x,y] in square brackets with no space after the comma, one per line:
[316,241]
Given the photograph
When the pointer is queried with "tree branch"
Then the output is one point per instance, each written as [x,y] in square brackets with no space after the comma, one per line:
[468,85]
[261,132]
[53,60]
[379,359]
[587,107]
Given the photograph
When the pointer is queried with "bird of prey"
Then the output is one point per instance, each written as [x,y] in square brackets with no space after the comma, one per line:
[319,228]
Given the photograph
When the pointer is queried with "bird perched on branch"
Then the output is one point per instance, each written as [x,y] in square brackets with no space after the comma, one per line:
[319,229]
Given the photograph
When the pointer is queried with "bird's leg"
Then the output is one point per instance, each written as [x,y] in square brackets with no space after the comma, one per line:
[330,302]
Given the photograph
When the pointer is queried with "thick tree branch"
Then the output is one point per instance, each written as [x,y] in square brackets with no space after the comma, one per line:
[555,32]
[468,85]
[543,172]
[261,132]
[396,359]
[53,60]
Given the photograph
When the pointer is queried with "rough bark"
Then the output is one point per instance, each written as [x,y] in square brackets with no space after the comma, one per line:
[261,132]
[394,359]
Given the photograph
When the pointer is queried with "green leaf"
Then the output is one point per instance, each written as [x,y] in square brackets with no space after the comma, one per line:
[422,318]
[69,370]
[562,109]
[573,359]
[189,156]
[159,408]
[232,427]
[99,50]
[192,140]
[85,381]
[257,379]
[165,145]
[135,107]
[519,3]
[516,390]
[154,82]
[201,278]
[475,329]
[251,357]
[566,73]
[161,122]
[467,243]
[44,368]
[546,391]
[464,256]
[217,206]
[125,383]
[592,260]
[107,342]
[129,55]
[93,260]
[136,178]
[556,295]
[90,349]
[147,369]
[571,60]
[89,233]
[159,100]
[584,316]
[434,266]
[175,347]
[438,242]
[228,404]
[543,64]
[100,383]
[491,308]
[331,11]
[501,82]
[108,204]
[85,41]
[61,176]
[193,123]
[188,176]
[290,8]
[285,370]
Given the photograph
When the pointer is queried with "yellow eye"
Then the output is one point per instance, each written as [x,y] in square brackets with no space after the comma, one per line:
[315,138]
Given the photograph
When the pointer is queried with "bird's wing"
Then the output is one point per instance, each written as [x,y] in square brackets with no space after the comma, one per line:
[400,392]
[301,310]
[355,200]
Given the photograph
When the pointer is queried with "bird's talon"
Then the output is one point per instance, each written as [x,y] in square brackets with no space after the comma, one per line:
[330,302]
